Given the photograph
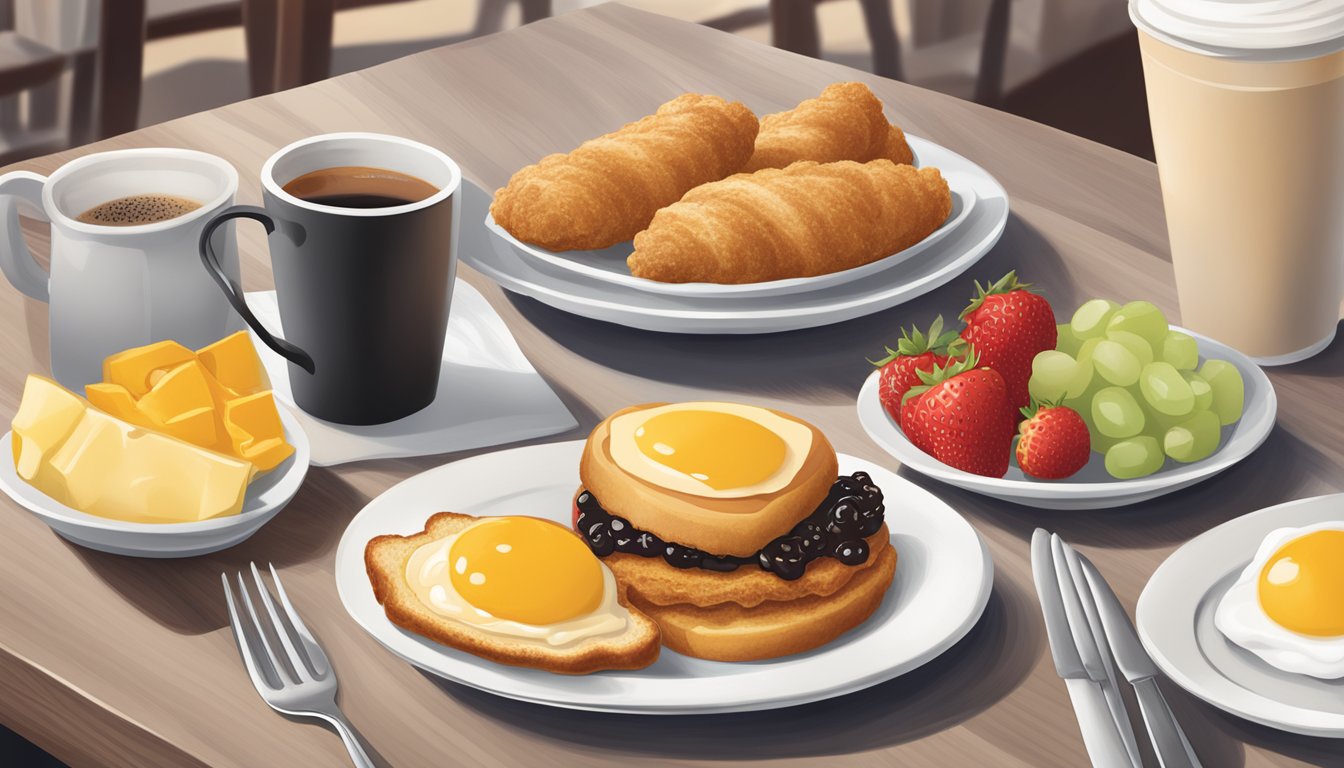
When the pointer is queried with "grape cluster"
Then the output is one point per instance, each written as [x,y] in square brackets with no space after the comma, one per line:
[1139,386]
[852,511]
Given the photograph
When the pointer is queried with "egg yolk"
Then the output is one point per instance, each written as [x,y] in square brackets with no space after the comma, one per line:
[721,450]
[1301,586]
[526,570]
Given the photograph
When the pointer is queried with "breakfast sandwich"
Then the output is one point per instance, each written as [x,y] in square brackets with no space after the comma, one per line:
[730,526]
[515,590]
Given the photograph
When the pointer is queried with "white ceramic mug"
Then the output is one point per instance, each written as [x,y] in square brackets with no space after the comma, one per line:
[116,287]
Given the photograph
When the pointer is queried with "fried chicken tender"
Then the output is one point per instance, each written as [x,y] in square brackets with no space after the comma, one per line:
[844,123]
[608,189]
[805,220]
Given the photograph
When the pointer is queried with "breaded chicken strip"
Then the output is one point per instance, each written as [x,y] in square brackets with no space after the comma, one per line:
[844,123]
[609,188]
[805,220]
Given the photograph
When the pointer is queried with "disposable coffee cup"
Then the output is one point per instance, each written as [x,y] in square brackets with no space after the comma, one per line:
[1246,102]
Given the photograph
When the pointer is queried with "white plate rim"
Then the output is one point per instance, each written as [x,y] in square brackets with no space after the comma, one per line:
[352,585]
[957,181]
[889,437]
[1157,603]
[47,508]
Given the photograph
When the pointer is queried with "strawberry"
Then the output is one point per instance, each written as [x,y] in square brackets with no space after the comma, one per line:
[914,352]
[960,415]
[1055,442]
[1008,325]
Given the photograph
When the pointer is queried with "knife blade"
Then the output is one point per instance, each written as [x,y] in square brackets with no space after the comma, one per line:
[1100,732]
[1169,742]
[1081,609]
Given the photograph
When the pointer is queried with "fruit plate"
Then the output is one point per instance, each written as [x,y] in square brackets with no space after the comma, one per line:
[943,578]
[1175,622]
[266,496]
[1092,487]
[608,264]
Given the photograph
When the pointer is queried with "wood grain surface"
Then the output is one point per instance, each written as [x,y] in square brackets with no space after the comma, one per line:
[116,661]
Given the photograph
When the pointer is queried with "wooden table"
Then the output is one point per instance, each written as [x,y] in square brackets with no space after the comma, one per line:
[114,661]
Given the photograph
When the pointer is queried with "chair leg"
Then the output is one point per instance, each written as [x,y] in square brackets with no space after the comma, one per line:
[882,36]
[793,26]
[993,54]
[260,20]
[121,52]
[535,10]
[82,86]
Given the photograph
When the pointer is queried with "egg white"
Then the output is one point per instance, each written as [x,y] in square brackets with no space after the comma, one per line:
[1243,621]
[427,572]
[627,455]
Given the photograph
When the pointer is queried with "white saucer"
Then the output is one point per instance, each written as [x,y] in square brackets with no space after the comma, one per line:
[266,496]
[1092,487]
[588,297]
[1175,621]
[943,579]
[608,265]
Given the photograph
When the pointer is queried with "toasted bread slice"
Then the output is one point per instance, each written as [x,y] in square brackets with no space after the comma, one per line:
[728,526]
[731,632]
[385,558]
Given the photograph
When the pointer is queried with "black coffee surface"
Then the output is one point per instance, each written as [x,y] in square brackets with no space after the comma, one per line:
[357,186]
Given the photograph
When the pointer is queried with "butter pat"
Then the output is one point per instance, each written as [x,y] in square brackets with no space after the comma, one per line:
[99,464]
[234,363]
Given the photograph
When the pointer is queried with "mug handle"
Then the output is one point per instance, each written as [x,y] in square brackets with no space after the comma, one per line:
[234,293]
[16,260]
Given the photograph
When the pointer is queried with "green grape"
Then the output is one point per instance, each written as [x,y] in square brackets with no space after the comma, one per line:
[1165,389]
[1229,391]
[1052,373]
[1179,349]
[1157,423]
[1142,318]
[1134,343]
[1116,413]
[1066,341]
[1089,321]
[1135,457]
[1201,389]
[1115,363]
[1101,443]
[1193,439]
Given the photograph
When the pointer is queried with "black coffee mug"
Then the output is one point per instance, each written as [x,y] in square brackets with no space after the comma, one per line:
[363,293]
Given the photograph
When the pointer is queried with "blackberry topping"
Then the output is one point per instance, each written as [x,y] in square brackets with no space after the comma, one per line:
[852,511]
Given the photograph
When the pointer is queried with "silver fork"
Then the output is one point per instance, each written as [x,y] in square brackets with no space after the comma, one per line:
[304,684]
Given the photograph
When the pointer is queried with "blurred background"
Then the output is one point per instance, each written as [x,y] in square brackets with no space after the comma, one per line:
[73,71]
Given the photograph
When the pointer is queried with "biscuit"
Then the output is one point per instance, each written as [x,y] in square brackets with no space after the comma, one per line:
[720,526]
[731,632]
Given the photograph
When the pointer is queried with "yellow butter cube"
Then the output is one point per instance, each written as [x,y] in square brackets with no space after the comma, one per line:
[257,434]
[234,363]
[113,469]
[47,415]
[134,369]
[181,405]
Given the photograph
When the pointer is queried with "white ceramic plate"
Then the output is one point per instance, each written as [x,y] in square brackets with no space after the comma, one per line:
[266,496]
[634,308]
[1092,487]
[1175,621]
[943,579]
[608,265]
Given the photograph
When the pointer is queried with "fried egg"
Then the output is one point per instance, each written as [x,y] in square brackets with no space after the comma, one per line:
[1287,606]
[520,577]
[715,450]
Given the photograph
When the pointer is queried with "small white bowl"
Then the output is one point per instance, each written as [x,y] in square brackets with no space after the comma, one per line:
[266,496]
[1092,487]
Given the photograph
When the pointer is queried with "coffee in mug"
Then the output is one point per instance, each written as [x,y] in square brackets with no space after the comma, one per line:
[134,210]
[363,240]
[125,228]
[359,186]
